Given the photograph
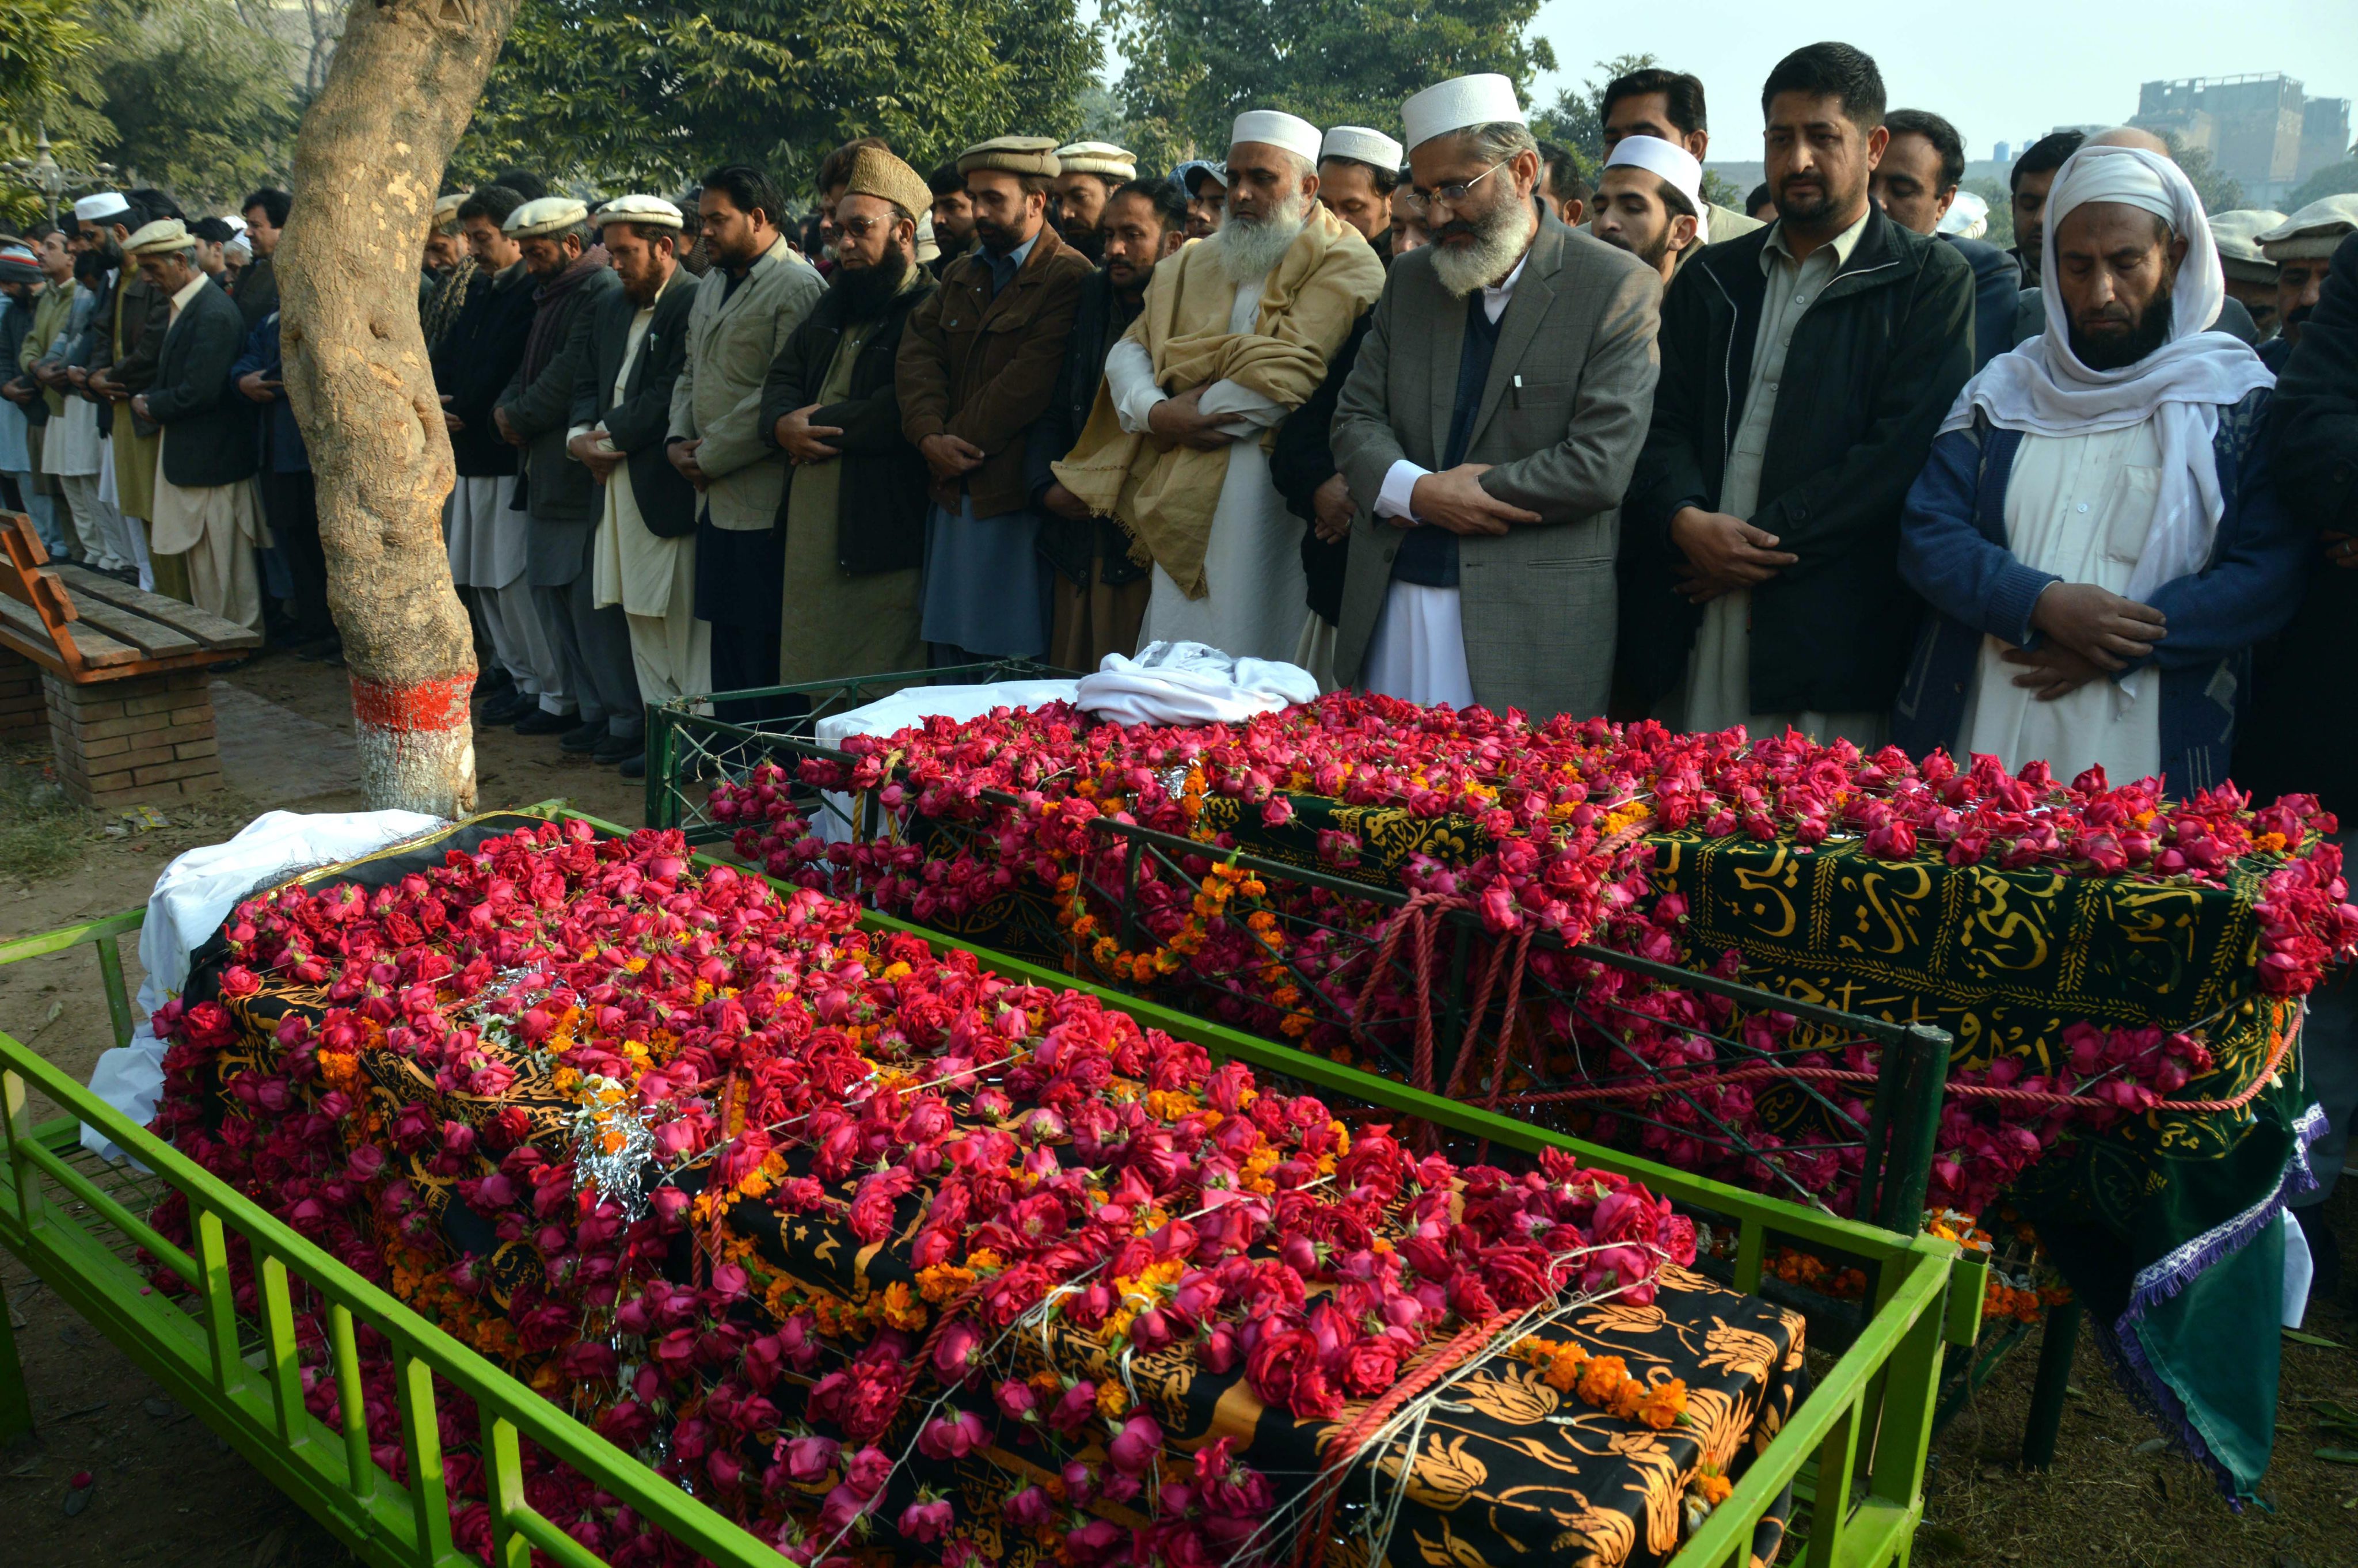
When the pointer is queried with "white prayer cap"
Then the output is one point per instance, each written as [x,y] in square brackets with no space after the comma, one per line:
[549,215]
[635,209]
[1458,103]
[1967,217]
[234,222]
[1275,128]
[1099,157]
[2238,234]
[2313,232]
[1671,163]
[1365,145]
[101,205]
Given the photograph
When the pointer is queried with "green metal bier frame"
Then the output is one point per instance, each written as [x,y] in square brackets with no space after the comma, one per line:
[1862,1435]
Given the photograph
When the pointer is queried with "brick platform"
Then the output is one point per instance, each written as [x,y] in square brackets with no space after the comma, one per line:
[146,737]
[21,702]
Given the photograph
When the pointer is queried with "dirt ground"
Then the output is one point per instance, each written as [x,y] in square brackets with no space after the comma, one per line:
[167,1491]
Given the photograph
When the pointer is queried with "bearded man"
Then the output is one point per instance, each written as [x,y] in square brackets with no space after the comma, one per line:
[643,562]
[1357,168]
[2301,248]
[1488,429]
[1236,334]
[1098,599]
[855,504]
[953,217]
[1649,202]
[2096,528]
[1092,172]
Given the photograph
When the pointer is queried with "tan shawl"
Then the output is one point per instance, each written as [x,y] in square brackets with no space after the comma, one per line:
[1165,494]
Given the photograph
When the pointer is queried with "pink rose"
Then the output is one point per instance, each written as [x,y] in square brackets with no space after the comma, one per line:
[1135,1446]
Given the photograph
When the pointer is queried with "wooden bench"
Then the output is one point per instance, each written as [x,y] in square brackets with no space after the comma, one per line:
[122,676]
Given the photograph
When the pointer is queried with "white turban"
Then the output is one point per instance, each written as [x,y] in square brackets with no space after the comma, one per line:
[1670,162]
[2043,389]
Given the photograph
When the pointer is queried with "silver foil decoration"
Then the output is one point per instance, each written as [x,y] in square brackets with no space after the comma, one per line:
[619,1173]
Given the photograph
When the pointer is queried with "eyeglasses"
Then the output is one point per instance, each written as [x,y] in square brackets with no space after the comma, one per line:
[1452,194]
[858,227]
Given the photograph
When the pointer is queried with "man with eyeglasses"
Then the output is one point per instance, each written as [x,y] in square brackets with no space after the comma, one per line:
[1237,333]
[1488,431]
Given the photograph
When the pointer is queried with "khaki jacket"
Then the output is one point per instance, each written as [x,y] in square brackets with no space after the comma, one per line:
[731,340]
[983,368]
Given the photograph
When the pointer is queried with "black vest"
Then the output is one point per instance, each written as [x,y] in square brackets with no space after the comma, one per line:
[1428,554]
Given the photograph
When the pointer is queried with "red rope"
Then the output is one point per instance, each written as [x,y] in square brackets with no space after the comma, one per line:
[1345,1450]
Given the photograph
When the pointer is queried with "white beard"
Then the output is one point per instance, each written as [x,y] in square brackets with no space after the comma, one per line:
[1249,248]
[1462,269]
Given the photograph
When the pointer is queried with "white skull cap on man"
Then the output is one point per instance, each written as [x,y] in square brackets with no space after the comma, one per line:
[99,206]
[1276,128]
[1358,142]
[1667,161]
[1458,104]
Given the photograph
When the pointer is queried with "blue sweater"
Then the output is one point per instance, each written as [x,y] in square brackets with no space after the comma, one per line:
[1952,551]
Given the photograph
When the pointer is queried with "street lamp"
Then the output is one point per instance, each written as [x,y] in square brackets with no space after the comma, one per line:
[46,175]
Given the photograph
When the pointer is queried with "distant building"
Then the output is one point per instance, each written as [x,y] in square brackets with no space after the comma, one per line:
[1999,154]
[2262,130]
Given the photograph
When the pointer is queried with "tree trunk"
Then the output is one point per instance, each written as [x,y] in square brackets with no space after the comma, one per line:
[403,85]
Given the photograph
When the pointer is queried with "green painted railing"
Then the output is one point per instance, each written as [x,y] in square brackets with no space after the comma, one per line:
[1861,1436]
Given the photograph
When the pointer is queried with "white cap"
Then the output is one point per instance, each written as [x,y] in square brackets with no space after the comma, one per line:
[99,206]
[1099,157]
[1967,217]
[1276,129]
[1670,162]
[548,215]
[1362,143]
[1463,100]
[635,209]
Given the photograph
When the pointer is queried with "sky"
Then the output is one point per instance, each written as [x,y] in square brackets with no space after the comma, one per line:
[1992,72]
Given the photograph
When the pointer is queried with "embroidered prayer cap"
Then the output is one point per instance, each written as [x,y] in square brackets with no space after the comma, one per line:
[18,264]
[1012,155]
[101,205]
[651,210]
[1099,157]
[1195,170]
[2311,234]
[1460,104]
[549,215]
[2238,234]
[875,172]
[1360,142]
[1275,128]
[446,210]
[164,237]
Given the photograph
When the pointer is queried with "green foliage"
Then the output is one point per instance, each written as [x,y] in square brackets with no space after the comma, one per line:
[1722,191]
[2001,207]
[46,79]
[2334,179]
[1577,117]
[1194,66]
[202,104]
[618,95]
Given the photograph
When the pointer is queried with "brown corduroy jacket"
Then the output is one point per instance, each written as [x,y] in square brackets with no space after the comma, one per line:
[983,368]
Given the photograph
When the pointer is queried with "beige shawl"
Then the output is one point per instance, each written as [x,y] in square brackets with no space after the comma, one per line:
[1165,494]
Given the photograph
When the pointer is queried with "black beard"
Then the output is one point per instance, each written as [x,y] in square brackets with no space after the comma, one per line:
[867,290]
[1652,255]
[1089,241]
[1809,209]
[2148,332]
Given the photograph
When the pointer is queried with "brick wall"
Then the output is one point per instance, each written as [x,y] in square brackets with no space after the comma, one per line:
[149,738]
[21,703]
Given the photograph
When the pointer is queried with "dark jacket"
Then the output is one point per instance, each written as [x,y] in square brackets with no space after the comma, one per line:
[983,367]
[146,313]
[1070,547]
[2303,730]
[1997,288]
[1302,459]
[1871,370]
[557,493]
[212,426]
[257,291]
[279,439]
[475,363]
[881,511]
[637,424]
[1953,550]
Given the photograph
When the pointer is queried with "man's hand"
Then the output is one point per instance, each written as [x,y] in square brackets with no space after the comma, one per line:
[2341,549]
[106,386]
[803,441]
[1064,504]
[16,392]
[139,406]
[950,456]
[507,430]
[683,457]
[2051,670]
[2105,629]
[78,378]
[1182,419]
[1724,553]
[258,387]
[1455,499]
[1330,510]
[591,450]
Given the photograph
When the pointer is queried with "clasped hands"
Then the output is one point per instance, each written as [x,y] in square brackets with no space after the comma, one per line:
[2089,632]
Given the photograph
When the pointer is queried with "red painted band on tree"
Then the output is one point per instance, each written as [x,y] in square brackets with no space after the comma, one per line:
[425,705]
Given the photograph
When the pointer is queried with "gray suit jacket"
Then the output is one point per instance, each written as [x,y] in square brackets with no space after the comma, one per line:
[731,340]
[1538,601]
